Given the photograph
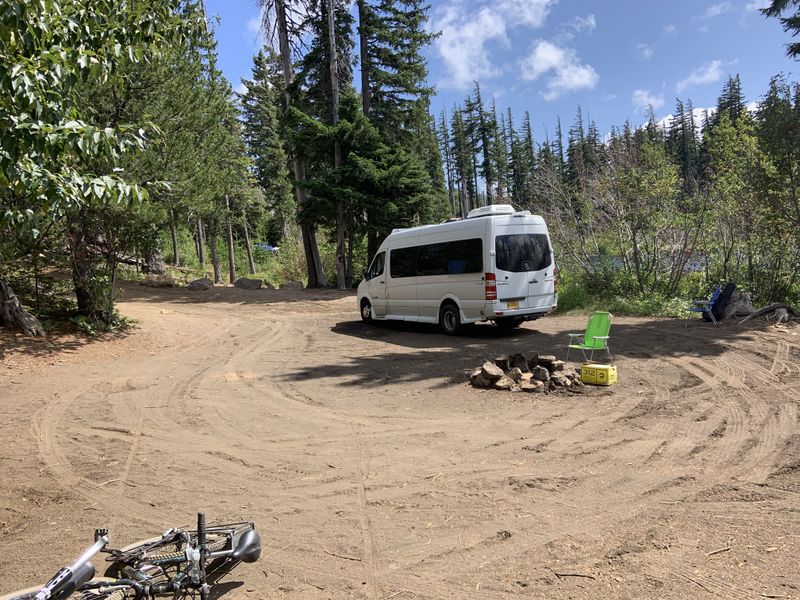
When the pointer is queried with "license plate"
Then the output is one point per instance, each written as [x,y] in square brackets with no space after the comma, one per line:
[513,304]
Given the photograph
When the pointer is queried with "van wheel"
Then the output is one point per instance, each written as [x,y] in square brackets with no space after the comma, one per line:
[450,319]
[366,310]
[508,323]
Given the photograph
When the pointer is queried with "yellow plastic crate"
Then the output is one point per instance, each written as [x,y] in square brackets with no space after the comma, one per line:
[598,374]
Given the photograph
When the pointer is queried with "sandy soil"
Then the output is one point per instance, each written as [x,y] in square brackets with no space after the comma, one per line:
[373,471]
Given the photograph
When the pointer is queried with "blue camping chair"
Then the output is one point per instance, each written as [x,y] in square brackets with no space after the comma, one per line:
[705,306]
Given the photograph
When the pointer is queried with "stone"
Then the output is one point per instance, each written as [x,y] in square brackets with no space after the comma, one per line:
[474,375]
[504,383]
[557,365]
[200,284]
[519,361]
[515,375]
[739,304]
[491,371]
[503,362]
[481,382]
[532,387]
[571,373]
[560,380]
[781,315]
[546,361]
[541,374]
[292,285]
[245,283]
[526,377]
[533,360]
[158,281]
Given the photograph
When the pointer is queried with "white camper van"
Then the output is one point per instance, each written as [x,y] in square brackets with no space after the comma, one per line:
[495,265]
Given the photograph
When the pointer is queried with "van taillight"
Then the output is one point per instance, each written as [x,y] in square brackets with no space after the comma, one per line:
[491,286]
[555,279]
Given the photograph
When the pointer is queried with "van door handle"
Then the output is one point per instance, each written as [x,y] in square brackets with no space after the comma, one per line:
[381,281]
[534,281]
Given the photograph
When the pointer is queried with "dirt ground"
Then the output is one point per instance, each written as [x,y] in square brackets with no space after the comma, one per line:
[372,469]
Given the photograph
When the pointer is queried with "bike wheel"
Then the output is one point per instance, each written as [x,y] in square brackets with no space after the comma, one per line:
[30,593]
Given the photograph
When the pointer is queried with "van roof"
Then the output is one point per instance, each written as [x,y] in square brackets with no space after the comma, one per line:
[473,220]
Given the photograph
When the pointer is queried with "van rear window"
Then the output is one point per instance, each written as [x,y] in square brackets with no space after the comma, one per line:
[523,252]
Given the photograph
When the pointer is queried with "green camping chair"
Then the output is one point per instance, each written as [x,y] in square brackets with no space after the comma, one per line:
[595,338]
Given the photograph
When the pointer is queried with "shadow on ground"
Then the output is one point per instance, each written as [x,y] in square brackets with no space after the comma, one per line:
[58,342]
[441,356]
[131,291]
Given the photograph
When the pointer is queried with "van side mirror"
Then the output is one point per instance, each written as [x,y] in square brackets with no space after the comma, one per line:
[366,273]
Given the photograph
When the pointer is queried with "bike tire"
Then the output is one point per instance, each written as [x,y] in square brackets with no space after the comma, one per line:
[30,593]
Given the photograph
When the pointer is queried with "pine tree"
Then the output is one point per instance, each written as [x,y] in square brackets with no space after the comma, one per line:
[790,23]
[499,154]
[264,145]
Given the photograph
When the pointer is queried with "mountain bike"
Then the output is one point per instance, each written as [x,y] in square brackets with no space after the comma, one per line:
[180,564]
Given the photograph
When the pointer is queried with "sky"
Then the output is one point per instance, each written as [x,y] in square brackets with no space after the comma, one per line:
[614,58]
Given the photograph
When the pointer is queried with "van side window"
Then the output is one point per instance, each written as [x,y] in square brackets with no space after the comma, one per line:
[432,259]
[403,262]
[521,253]
[465,256]
[444,258]
[377,265]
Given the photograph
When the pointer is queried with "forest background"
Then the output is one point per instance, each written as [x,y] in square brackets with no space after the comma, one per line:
[124,151]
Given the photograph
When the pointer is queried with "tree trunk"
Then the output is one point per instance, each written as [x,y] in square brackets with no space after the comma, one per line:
[173,231]
[365,63]
[229,237]
[341,275]
[81,268]
[251,264]
[348,271]
[12,314]
[316,275]
[212,245]
[201,236]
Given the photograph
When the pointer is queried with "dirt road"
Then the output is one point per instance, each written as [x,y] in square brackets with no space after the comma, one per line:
[373,471]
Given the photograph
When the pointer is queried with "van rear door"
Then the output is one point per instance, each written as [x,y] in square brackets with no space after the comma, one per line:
[523,262]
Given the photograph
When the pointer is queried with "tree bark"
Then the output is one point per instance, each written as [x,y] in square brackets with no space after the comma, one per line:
[229,237]
[365,62]
[201,237]
[12,314]
[212,245]
[337,148]
[173,231]
[251,264]
[81,268]
[316,274]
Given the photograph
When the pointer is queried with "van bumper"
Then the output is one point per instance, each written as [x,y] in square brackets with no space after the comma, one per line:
[524,314]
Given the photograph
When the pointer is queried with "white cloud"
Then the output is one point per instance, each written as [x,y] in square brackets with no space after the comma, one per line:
[241,88]
[254,25]
[465,35]
[716,10]
[531,13]
[669,29]
[642,99]
[708,73]
[646,51]
[581,24]
[567,72]
[462,44]
[757,5]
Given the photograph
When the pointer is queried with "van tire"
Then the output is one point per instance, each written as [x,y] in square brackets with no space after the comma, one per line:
[366,311]
[450,319]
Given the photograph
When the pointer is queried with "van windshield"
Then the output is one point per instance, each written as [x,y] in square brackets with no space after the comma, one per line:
[523,252]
